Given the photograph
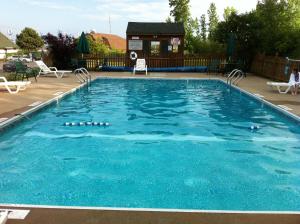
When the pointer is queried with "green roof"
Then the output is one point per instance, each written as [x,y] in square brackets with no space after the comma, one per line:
[5,42]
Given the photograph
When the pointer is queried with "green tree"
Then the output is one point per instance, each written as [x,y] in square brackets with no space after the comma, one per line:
[180,10]
[29,40]
[203,28]
[228,11]
[293,8]
[96,46]
[244,27]
[212,19]
[278,21]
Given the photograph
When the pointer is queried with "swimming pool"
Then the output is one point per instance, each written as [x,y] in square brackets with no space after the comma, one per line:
[178,144]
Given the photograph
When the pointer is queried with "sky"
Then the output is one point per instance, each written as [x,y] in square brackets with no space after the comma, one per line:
[75,16]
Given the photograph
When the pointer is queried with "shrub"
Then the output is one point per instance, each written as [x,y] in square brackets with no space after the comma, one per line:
[61,49]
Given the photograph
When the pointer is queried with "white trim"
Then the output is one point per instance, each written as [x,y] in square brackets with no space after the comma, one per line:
[15,213]
[150,209]
[2,119]
[38,107]
[285,107]
[35,104]
[57,93]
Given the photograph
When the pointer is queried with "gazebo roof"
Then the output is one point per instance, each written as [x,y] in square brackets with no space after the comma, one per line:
[140,28]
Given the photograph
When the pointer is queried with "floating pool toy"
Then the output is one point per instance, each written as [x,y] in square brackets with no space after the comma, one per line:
[254,127]
[88,123]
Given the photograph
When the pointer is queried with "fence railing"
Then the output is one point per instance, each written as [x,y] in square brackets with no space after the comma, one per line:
[272,67]
[93,61]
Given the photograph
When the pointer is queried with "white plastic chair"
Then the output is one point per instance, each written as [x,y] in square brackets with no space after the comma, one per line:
[15,86]
[44,70]
[140,66]
[282,87]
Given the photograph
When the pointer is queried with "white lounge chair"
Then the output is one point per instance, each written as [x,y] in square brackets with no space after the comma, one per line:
[15,86]
[282,87]
[140,66]
[44,70]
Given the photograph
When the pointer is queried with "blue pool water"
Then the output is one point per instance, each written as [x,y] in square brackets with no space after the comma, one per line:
[172,144]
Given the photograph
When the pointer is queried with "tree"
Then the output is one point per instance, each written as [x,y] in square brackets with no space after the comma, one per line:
[203,29]
[62,48]
[228,11]
[278,20]
[245,29]
[293,7]
[29,40]
[96,46]
[180,10]
[212,19]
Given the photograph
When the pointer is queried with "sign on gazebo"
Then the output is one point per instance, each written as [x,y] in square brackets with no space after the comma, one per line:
[135,45]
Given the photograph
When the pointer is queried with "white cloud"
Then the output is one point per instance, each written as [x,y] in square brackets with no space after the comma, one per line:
[132,10]
[90,14]
[50,5]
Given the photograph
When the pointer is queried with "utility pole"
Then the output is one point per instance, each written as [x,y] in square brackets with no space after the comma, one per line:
[109,24]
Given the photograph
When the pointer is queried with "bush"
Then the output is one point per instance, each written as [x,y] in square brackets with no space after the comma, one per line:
[61,49]
[208,47]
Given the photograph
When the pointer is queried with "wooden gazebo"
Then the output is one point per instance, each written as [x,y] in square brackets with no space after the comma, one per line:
[161,44]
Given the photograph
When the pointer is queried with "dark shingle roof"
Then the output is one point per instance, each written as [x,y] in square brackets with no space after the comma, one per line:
[155,28]
[5,42]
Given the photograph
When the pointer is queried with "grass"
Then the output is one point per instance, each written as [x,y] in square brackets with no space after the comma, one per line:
[10,76]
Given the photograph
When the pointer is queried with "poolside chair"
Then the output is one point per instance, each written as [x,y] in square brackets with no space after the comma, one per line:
[25,71]
[10,86]
[50,70]
[140,66]
[214,66]
[282,87]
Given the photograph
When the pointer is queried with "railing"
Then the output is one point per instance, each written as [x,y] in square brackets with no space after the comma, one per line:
[122,60]
[235,77]
[82,75]
[273,67]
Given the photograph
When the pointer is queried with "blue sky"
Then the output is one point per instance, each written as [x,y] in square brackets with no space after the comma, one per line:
[74,16]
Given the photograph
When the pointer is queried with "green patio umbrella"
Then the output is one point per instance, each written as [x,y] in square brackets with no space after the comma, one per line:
[83,45]
[231,46]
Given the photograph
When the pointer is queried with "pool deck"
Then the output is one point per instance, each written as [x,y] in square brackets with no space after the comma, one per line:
[46,87]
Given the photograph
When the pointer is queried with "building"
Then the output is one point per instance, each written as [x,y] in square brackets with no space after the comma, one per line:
[112,41]
[159,43]
[6,46]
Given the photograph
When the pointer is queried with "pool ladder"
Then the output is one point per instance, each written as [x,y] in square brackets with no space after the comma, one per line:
[82,75]
[235,77]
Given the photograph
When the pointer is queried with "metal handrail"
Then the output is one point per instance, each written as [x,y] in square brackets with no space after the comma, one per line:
[83,75]
[230,75]
[235,77]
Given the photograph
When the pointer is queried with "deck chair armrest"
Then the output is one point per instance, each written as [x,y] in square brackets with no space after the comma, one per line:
[53,69]
[3,78]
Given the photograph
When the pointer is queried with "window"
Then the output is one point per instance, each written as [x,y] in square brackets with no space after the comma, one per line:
[155,47]
[135,45]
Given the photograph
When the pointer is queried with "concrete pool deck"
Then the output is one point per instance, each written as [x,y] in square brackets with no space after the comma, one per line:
[49,87]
